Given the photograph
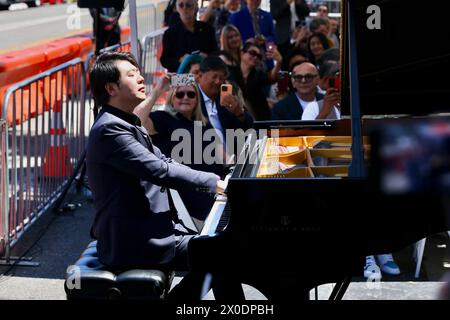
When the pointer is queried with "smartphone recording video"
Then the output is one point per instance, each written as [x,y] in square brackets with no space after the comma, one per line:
[225,90]
[180,80]
[269,45]
[334,82]
[283,82]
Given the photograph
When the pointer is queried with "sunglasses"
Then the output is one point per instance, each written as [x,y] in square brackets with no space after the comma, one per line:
[255,54]
[307,77]
[188,5]
[181,94]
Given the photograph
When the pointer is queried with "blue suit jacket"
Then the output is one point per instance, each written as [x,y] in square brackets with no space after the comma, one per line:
[243,21]
[129,178]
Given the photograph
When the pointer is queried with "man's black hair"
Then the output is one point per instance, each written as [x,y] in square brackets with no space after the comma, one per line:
[323,4]
[316,22]
[213,63]
[293,52]
[328,68]
[105,71]
[248,45]
[331,54]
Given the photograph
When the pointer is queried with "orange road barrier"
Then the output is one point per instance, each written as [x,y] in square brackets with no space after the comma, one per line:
[15,67]
[30,101]
[55,89]
[56,160]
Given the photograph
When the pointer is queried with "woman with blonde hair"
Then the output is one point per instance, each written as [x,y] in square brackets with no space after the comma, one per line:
[230,45]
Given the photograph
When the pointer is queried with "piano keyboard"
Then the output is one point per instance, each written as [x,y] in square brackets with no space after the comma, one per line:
[224,219]
[219,215]
[214,217]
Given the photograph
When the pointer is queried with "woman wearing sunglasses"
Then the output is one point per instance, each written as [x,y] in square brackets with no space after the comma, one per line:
[182,110]
[252,79]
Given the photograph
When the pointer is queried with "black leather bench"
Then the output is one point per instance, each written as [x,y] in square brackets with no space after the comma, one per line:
[90,279]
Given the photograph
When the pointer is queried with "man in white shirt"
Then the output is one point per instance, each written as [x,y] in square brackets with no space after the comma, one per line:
[230,115]
[305,103]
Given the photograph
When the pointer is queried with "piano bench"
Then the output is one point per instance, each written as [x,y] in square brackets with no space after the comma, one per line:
[90,279]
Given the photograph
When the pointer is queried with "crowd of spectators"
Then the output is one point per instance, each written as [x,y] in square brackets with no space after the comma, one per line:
[255,45]
[278,64]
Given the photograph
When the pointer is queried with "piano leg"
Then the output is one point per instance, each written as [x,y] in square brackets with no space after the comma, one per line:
[278,287]
[339,289]
[224,286]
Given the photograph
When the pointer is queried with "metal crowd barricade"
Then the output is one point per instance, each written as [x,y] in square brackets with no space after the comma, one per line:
[3,184]
[150,56]
[121,47]
[44,131]
[44,144]
[159,17]
[149,59]
[147,19]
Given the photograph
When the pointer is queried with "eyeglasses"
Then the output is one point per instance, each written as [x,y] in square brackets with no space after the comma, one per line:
[255,54]
[307,77]
[188,5]
[181,94]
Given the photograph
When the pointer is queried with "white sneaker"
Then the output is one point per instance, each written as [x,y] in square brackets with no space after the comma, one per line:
[371,270]
[387,264]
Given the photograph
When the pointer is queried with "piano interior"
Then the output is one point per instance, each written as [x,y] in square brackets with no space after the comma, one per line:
[308,157]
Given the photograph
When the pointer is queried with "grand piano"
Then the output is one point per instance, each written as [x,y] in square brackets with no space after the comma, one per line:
[290,221]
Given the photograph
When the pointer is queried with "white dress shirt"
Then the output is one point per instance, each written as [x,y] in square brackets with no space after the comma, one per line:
[311,109]
[213,115]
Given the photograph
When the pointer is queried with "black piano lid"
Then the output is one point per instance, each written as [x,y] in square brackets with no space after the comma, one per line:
[404,67]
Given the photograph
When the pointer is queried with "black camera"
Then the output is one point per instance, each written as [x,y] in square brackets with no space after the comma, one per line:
[118,4]
[300,23]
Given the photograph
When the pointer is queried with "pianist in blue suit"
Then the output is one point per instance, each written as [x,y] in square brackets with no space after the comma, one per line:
[135,223]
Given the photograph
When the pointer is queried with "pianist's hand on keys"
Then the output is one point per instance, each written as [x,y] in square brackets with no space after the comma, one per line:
[221,186]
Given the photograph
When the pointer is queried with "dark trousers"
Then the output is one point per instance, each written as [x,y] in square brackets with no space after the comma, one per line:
[192,287]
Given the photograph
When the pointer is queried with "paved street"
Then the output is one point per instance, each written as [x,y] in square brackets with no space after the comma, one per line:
[39,25]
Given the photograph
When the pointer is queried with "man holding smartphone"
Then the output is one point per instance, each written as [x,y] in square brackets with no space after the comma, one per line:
[229,114]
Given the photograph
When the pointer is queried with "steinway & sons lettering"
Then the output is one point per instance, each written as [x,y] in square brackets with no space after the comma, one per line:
[285,229]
